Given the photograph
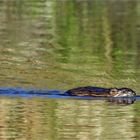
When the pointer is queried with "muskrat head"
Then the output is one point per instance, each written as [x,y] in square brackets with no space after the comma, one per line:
[125,92]
[122,92]
[122,96]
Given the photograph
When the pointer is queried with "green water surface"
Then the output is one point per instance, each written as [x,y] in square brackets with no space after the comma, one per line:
[61,44]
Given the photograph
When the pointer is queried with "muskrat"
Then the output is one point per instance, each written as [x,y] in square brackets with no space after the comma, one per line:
[119,95]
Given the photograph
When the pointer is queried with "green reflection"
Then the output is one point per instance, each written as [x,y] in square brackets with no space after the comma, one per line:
[96,42]
[53,119]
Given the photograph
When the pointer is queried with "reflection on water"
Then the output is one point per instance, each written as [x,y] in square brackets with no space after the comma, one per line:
[47,43]
[38,118]
[64,44]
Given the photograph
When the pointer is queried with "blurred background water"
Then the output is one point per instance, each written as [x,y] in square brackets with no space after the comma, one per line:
[61,44]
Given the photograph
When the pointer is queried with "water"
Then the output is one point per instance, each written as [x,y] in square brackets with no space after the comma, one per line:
[61,44]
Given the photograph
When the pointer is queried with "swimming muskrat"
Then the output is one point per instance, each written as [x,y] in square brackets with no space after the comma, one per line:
[119,95]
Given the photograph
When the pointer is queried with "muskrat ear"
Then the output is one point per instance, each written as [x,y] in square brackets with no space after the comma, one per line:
[113,91]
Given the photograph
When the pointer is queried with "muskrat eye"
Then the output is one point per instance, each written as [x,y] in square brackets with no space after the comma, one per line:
[113,91]
[124,91]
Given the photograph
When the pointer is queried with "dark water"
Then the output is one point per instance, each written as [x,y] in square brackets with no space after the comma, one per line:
[60,44]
